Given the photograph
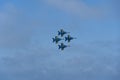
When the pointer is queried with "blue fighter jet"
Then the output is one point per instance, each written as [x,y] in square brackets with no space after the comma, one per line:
[56,39]
[62,32]
[62,46]
[69,38]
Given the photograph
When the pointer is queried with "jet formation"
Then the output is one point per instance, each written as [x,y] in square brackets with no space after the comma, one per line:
[60,37]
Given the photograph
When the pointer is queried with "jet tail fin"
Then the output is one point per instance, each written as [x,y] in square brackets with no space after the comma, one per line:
[65,38]
[53,39]
[59,46]
[58,32]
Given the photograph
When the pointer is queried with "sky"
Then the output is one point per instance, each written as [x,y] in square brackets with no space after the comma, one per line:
[28,26]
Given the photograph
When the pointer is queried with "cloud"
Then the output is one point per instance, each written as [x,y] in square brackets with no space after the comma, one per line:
[46,64]
[76,7]
[92,61]
[15,29]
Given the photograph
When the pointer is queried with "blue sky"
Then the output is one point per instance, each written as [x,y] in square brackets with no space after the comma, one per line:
[27,51]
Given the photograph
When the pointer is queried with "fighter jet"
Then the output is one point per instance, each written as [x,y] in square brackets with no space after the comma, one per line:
[62,32]
[69,38]
[56,39]
[62,46]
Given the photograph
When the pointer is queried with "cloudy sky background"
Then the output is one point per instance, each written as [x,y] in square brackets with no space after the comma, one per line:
[27,51]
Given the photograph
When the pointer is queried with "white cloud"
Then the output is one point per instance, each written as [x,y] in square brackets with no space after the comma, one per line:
[15,29]
[35,63]
[79,8]
[41,63]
